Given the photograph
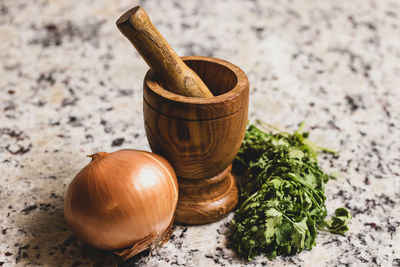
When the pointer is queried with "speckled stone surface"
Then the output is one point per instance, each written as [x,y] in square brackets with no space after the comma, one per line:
[71,85]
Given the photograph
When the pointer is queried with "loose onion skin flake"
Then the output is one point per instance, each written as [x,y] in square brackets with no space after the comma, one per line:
[122,201]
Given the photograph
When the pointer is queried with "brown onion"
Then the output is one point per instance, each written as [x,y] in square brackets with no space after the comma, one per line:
[122,201]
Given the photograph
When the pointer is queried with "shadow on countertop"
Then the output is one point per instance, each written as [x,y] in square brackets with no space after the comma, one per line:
[49,242]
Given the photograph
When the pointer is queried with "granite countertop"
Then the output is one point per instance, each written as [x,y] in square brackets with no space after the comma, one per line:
[71,85]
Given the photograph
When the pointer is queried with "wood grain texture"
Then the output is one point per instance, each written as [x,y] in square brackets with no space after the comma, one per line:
[200,136]
[208,203]
[135,24]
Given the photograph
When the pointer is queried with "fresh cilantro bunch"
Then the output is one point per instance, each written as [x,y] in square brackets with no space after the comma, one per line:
[282,195]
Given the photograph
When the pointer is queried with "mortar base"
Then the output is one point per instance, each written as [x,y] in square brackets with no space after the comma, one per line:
[208,200]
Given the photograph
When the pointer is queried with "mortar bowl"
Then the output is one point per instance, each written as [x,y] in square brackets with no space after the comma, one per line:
[200,137]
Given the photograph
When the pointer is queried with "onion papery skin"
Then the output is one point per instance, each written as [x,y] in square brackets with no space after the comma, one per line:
[122,200]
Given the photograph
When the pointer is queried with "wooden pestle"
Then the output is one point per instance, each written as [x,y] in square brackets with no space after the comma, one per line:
[178,78]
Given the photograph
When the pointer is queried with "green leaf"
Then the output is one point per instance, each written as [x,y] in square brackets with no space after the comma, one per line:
[338,223]
[295,153]
[285,232]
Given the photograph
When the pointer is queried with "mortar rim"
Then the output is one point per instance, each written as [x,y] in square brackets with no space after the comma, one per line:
[241,86]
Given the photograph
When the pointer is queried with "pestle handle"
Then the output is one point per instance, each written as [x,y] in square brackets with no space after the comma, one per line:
[178,78]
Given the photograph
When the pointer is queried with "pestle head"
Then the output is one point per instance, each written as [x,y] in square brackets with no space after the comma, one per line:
[176,77]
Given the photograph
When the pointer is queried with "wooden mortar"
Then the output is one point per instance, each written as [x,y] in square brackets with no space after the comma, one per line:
[200,136]
[197,132]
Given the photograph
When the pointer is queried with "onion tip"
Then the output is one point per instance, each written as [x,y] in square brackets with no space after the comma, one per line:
[97,155]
